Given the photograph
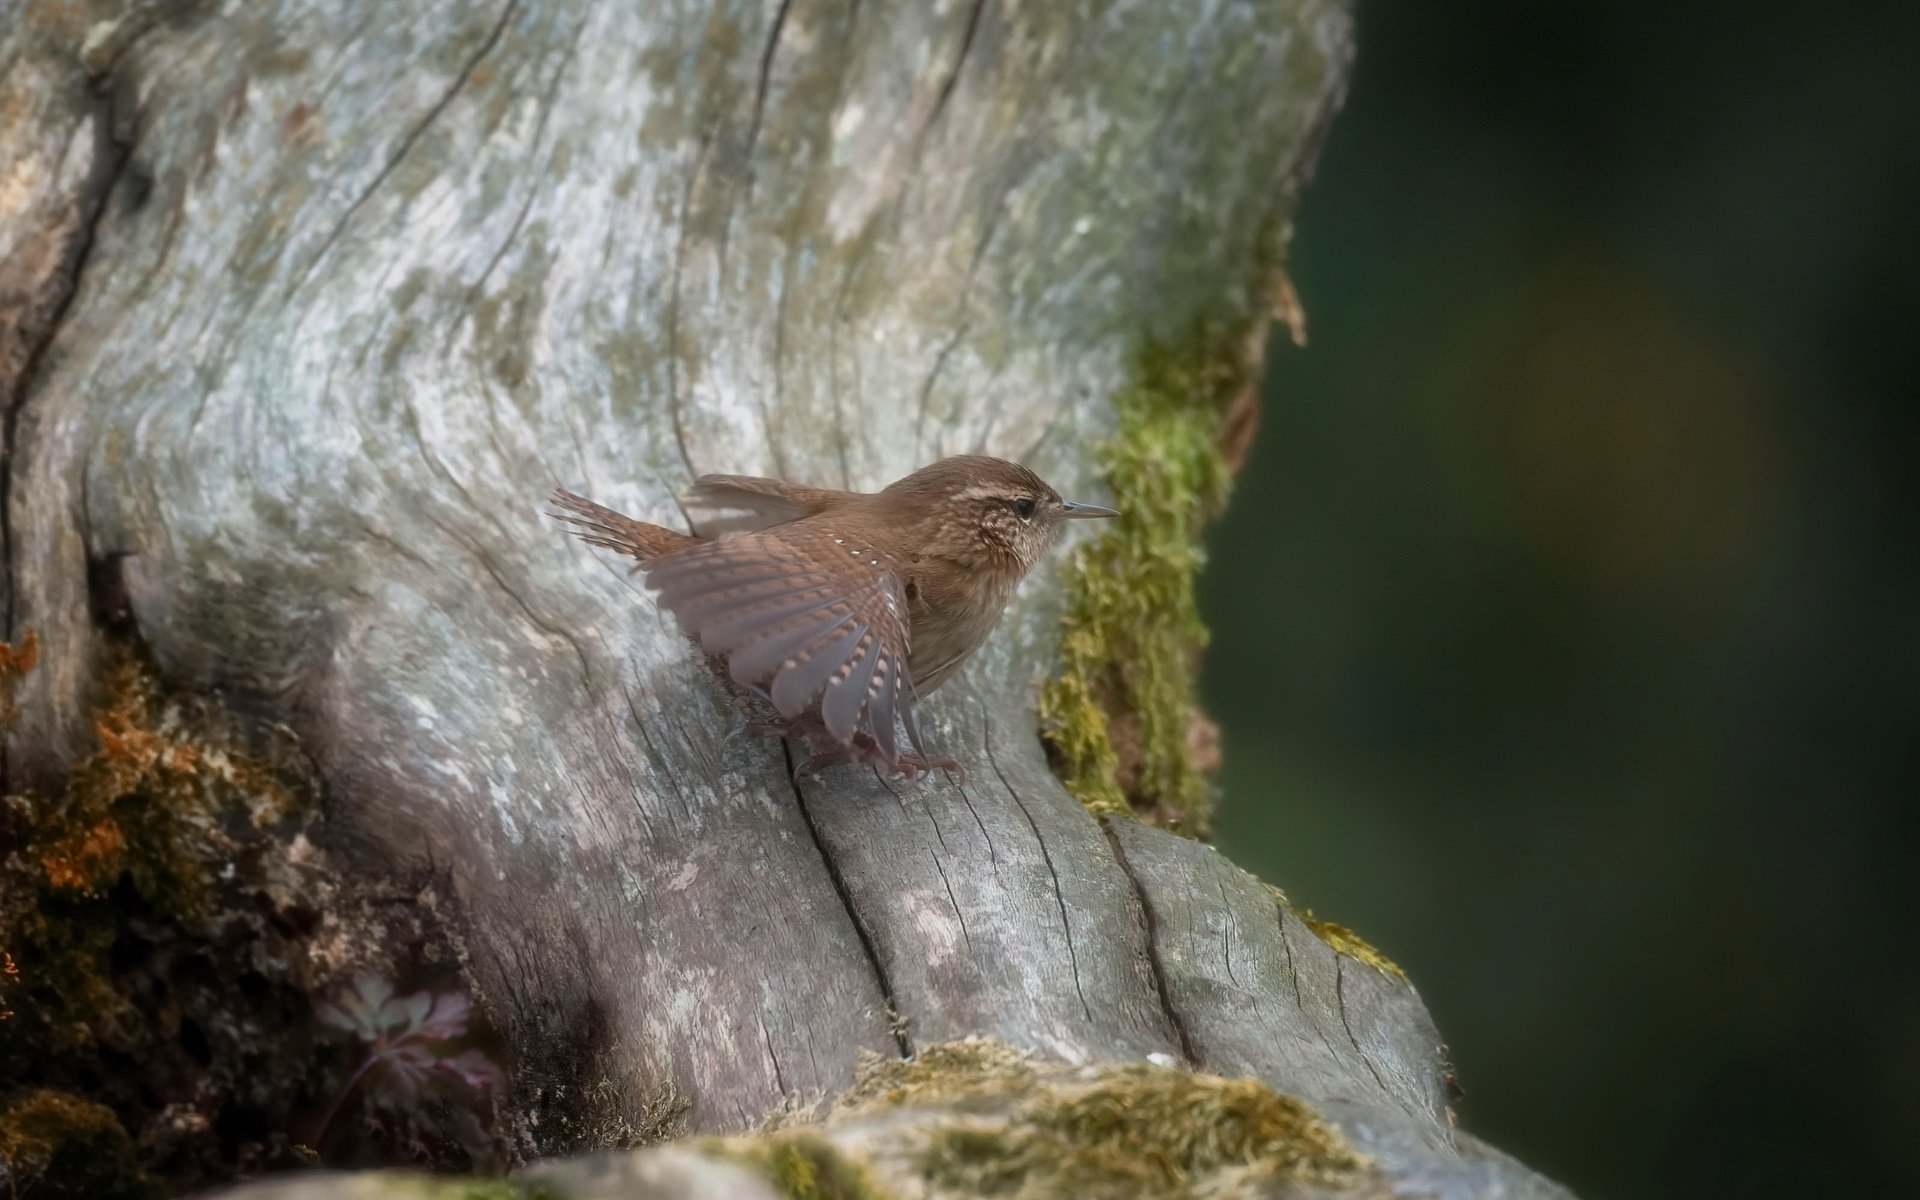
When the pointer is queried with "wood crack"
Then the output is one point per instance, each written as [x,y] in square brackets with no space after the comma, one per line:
[779,1077]
[673,306]
[760,87]
[993,856]
[958,912]
[962,322]
[1155,966]
[533,618]
[1046,856]
[1226,937]
[761,83]
[1340,1002]
[925,808]
[1299,993]
[407,144]
[57,293]
[895,1024]
[953,77]
[534,188]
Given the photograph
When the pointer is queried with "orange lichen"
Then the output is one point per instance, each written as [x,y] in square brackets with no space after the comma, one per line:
[132,752]
[12,973]
[152,807]
[18,661]
[15,663]
[83,862]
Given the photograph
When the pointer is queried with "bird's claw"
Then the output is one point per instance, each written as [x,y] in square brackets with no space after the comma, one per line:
[814,765]
[915,767]
[865,750]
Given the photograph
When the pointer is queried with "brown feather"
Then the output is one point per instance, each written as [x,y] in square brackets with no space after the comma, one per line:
[750,503]
[598,525]
[797,611]
[844,608]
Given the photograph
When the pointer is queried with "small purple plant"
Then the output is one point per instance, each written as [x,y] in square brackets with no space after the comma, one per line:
[407,1038]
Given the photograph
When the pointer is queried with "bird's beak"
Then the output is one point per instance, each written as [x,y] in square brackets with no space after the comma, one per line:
[1075,511]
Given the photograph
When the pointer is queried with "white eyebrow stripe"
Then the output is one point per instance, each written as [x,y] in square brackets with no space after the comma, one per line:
[981,491]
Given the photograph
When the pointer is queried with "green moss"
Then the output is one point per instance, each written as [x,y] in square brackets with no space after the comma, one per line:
[1343,940]
[1035,1130]
[1142,1131]
[802,1165]
[950,1073]
[1120,713]
[56,1146]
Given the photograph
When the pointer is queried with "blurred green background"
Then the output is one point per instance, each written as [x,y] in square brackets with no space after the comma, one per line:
[1567,616]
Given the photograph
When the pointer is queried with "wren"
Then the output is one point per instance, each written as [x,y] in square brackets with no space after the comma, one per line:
[840,610]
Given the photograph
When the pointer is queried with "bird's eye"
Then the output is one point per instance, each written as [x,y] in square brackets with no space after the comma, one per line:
[1024,506]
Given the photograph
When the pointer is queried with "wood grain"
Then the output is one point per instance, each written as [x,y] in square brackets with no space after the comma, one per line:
[307,308]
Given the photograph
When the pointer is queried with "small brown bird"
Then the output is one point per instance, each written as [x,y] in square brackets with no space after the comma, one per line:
[841,609]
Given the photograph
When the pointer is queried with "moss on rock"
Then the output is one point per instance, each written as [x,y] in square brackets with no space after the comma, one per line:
[1017,1127]
[150,913]
[803,1165]
[1143,1131]
[54,1146]
[949,1073]
[154,818]
[1121,713]
[1343,940]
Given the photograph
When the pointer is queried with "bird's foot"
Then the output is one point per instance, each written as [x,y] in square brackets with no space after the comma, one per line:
[919,766]
[817,763]
[865,750]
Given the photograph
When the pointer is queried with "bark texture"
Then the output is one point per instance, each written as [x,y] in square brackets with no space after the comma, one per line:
[305,306]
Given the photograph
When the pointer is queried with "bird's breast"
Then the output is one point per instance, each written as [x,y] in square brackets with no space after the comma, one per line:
[948,623]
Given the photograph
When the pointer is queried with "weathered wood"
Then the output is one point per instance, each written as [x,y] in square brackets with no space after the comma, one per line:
[993,905]
[654,1175]
[1256,993]
[310,306]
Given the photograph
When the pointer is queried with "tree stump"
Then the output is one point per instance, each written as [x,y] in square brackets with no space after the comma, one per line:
[304,308]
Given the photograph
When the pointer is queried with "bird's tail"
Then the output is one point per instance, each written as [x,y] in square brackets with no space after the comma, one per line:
[599,525]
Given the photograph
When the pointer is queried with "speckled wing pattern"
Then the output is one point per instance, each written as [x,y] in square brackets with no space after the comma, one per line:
[813,619]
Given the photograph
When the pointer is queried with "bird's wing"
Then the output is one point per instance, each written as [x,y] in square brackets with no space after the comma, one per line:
[744,503]
[803,614]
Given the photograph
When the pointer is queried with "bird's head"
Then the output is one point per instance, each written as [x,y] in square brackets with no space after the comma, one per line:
[971,508]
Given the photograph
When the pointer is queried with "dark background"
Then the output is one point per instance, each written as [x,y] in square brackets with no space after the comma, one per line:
[1566,619]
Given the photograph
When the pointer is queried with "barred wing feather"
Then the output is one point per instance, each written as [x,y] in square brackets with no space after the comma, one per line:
[810,617]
